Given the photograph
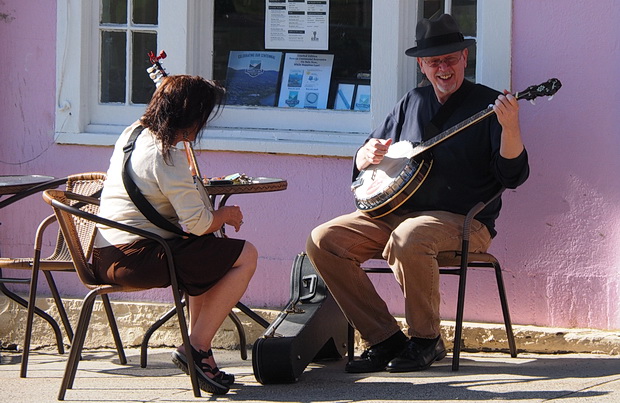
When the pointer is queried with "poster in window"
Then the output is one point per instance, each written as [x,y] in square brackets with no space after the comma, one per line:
[297,24]
[344,96]
[305,80]
[362,98]
[252,78]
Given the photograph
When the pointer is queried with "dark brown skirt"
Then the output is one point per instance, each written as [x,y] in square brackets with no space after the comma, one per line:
[200,262]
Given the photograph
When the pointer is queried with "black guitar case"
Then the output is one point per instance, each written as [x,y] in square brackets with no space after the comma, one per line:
[311,328]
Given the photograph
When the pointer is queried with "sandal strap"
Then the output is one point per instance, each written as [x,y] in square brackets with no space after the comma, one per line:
[200,355]
[215,371]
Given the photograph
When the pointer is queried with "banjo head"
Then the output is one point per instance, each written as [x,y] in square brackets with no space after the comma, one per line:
[375,179]
[381,185]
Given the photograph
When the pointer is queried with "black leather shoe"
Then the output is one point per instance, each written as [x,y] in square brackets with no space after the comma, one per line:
[417,358]
[376,357]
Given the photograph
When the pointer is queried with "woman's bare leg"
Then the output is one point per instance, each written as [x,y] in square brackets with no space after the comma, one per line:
[207,311]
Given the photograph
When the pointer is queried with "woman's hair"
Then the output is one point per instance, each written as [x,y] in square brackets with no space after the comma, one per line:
[181,102]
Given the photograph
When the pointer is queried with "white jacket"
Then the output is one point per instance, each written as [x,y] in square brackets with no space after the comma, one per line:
[169,188]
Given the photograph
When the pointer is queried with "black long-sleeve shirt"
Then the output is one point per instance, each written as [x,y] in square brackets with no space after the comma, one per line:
[467,167]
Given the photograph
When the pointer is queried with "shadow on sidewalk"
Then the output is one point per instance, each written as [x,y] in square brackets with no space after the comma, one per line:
[482,376]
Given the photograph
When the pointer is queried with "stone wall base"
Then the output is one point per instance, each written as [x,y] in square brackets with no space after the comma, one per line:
[134,318]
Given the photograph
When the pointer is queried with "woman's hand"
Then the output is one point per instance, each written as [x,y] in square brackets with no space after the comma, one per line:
[230,215]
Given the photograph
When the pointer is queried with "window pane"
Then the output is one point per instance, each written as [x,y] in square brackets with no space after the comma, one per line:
[142,87]
[464,11]
[145,12]
[113,66]
[240,26]
[114,11]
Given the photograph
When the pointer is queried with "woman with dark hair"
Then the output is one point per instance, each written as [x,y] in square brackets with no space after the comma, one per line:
[213,271]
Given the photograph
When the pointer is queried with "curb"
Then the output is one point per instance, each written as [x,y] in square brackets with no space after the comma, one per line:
[133,318]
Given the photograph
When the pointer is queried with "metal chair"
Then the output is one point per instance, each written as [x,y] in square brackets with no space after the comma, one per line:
[89,184]
[72,222]
[457,263]
[26,263]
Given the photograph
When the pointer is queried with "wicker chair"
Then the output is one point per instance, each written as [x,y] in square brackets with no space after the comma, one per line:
[74,221]
[457,263]
[60,261]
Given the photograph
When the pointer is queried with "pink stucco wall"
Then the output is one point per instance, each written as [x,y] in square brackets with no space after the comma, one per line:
[558,234]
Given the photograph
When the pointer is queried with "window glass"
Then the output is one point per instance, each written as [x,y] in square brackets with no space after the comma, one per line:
[124,48]
[239,26]
[113,66]
[113,12]
[145,12]
[142,87]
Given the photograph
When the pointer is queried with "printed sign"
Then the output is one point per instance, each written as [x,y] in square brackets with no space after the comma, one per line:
[305,80]
[297,24]
[252,78]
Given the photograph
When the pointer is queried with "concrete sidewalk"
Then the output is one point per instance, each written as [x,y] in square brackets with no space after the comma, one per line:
[483,376]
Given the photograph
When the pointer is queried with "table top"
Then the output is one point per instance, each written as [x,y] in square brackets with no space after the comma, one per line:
[258,184]
[10,184]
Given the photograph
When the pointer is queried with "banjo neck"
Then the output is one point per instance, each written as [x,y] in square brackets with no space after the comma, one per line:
[195,171]
[548,88]
[446,134]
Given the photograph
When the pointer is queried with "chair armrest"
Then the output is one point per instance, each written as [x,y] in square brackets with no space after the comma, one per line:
[83,199]
[38,239]
[100,220]
[113,224]
[474,211]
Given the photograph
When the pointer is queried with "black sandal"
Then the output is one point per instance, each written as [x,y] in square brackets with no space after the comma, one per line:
[213,385]
[221,376]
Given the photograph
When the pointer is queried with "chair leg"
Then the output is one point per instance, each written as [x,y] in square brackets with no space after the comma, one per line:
[41,313]
[32,298]
[252,315]
[242,342]
[147,336]
[114,328]
[504,301]
[77,343]
[59,305]
[186,343]
[172,312]
[350,342]
[458,328]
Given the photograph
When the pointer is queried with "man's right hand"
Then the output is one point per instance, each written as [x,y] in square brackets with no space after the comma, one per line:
[372,152]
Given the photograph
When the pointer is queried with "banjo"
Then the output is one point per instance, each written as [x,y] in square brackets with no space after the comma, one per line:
[382,188]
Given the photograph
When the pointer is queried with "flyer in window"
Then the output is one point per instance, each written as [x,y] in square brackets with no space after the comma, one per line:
[252,78]
[362,98]
[297,24]
[305,80]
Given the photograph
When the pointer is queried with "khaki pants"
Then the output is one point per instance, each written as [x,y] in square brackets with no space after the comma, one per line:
[410,243]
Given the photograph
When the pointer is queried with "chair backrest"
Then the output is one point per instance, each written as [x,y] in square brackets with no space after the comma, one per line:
[79,233]
[86,184]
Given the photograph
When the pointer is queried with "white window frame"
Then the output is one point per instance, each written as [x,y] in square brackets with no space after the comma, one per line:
[184,24]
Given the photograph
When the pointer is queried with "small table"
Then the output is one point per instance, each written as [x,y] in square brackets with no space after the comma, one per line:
[11,184]
[21,186]
[258,184]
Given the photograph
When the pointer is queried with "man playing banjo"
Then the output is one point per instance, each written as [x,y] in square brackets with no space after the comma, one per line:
[466,169]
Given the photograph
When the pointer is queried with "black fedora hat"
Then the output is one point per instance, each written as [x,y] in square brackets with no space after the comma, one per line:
[438,36]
